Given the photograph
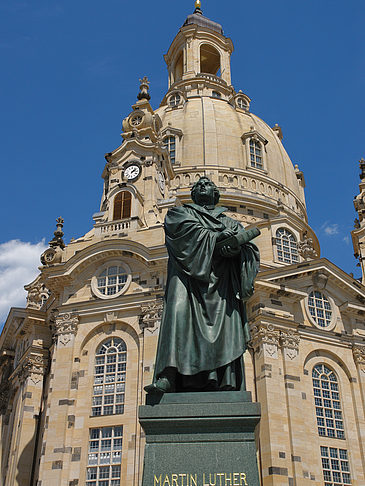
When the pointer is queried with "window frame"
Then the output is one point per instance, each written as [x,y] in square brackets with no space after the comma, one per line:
[101,269]
[255,146]
[325,386]
[178,134]
[108,392]
[244,101]
[168,146]
[99,456]
[172,99]
[122,208]
[328,460]
[254,136]
[275,238]
[333,321]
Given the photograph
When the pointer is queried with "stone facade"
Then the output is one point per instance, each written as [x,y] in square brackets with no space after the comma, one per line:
[74,362]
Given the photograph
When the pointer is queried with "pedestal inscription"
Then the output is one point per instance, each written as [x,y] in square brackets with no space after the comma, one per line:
[200,439]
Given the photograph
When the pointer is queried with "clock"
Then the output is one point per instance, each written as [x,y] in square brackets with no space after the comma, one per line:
[161,181]
[132,172]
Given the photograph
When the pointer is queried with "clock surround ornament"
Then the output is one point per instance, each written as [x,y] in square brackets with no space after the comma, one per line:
[132,172]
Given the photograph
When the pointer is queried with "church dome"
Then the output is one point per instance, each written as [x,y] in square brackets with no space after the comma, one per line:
[209,130]
[214,131]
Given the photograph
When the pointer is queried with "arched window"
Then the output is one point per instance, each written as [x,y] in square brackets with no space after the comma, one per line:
[170,144]
[286,246]
[122,205]
[327,402]
[256,154]
[210,59]
[109,377]
[216,94]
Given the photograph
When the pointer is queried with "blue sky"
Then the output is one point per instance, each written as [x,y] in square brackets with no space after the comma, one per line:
[70,74]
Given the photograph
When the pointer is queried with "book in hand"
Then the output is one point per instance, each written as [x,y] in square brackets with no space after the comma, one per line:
[239,239]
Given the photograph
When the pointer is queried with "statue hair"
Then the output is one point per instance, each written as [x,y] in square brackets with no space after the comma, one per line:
[216,190]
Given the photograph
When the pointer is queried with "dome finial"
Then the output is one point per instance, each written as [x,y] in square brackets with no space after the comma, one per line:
[198,5]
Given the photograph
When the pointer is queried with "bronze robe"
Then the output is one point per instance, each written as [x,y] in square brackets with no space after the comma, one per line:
[204,328]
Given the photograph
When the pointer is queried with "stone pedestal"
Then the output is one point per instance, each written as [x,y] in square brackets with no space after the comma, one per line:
[200,439]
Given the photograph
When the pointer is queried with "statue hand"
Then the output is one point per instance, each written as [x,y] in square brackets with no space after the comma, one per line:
[229,252]
[225,234]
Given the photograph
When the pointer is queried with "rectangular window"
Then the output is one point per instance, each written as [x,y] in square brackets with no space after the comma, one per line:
[104,462]
[335,471]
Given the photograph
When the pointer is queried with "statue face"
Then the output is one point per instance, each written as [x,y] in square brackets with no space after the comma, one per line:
[204,192]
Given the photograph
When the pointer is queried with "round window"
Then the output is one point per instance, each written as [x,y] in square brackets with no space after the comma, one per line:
[320,309]
[135,120]
[111,281]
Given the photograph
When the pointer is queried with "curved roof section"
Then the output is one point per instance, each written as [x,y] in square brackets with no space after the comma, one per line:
[198,18]
[212,135]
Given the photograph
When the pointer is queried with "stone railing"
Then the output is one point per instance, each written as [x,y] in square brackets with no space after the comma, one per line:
[240,181]
[117,226]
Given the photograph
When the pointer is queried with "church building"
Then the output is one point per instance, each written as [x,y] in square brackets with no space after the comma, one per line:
[75,360]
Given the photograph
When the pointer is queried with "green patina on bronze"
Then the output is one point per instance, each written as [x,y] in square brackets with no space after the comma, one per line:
[211,271]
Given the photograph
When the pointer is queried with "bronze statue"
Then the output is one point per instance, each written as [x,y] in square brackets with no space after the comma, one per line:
[211,269]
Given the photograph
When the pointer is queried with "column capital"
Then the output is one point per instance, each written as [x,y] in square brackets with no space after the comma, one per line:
[64,326]
[33,366]
[290,339]
[266,337]
[358,352]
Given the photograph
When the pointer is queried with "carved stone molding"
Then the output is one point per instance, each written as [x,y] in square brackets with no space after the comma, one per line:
[306,248]
[359,356]
[151,314]
[33,367]
[290,342]
[64,326]
[266,337]
[320,279]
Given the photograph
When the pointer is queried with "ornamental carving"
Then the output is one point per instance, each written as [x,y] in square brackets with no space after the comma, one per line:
[151,314]
[38,294]
[33,367]
[267,337]
[64,327]
[305,247]
[290,342]
[359,357]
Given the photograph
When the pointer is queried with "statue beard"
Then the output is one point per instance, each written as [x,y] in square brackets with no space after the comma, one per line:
[204,200]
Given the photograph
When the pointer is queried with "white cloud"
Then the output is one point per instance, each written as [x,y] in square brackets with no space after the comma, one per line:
[346,239]
[18,266]
[330,229]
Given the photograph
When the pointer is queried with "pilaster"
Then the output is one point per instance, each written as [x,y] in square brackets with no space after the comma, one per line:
[57,440]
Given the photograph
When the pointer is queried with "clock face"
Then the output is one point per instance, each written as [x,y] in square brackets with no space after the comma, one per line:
[132,172]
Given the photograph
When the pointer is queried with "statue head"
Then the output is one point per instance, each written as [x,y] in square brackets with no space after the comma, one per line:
[205,192]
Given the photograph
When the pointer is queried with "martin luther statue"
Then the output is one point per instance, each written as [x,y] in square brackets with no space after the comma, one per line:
[211,269]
